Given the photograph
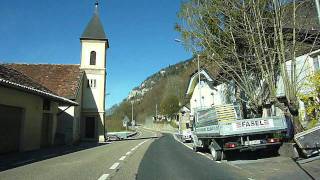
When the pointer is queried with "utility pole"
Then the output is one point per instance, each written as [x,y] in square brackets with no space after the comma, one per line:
[156,111]
[318,9]
[131,113]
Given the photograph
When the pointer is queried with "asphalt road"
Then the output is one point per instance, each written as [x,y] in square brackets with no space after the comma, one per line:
[151,156]
[102,162]
[168,159]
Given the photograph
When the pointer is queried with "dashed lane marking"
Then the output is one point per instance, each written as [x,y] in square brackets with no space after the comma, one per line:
[122,158]
[128,153]
[114,166]
[103,177]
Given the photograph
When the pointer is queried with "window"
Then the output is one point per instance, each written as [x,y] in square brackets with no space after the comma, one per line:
[93,58]
[46,105]
[91,83]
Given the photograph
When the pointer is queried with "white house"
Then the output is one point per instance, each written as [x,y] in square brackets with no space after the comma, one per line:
[306,65]
[205,94]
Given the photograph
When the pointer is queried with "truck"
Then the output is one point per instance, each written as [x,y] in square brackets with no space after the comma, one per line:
[220,130]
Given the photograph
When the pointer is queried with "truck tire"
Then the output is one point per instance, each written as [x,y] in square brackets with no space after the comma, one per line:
[216,155]
[195,148]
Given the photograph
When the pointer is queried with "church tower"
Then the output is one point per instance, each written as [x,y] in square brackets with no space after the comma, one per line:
[94,45]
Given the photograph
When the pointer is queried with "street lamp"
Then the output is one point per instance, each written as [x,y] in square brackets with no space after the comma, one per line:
[132,113]
[199,76]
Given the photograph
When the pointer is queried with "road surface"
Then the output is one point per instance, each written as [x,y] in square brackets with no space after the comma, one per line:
[151,156]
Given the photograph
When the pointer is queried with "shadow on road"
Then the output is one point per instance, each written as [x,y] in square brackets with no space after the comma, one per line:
[13,160]
[248,155]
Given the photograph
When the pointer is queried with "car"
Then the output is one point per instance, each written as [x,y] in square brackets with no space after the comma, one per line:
[186,135]
[113,137]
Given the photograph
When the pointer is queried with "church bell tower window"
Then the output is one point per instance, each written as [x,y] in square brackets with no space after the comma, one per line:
[91,83]
[93,58]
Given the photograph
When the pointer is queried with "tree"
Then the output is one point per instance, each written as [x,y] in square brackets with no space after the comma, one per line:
[169,105]
[311,99]
[251,42]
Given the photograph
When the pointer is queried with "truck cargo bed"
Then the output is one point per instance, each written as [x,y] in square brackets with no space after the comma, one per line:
[240,127]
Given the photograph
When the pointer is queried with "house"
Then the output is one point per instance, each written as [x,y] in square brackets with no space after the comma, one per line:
[306,65]
[210,91]
[84,84]
[183,118]
[125,121]
[28,112]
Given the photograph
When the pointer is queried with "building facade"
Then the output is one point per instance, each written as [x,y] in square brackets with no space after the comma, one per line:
[82,84]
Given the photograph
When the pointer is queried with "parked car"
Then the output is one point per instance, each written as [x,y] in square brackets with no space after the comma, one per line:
[113,137]
[186,135]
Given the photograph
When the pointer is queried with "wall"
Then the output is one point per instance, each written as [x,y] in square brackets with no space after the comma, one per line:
[91,45]
[93,98]
[209,96]
[305,66]
[32,120]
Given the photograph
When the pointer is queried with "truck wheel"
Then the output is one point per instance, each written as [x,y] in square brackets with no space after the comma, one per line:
[195,148]
[216,155]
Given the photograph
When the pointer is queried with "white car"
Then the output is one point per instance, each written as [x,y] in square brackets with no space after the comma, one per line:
[186,135]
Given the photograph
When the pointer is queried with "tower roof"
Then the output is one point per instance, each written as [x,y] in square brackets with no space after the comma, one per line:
[94,29]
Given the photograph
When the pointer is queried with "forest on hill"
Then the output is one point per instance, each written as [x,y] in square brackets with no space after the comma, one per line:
[164,89]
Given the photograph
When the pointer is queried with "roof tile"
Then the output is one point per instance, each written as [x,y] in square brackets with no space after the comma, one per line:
[61,79]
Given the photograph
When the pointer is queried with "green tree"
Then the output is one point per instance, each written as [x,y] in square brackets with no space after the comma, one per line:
[311,99]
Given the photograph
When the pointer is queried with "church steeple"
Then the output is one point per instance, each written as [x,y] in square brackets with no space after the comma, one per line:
[94,29]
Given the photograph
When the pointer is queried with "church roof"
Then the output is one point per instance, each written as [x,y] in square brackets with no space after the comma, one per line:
[61,79]
[94,29]
[12,78]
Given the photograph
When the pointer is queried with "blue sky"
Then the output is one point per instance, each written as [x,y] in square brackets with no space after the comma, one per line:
[141,36]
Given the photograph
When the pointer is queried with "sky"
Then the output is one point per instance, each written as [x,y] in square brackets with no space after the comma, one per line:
[141,36]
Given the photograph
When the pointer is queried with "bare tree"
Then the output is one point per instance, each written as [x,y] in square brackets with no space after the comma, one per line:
[252,42]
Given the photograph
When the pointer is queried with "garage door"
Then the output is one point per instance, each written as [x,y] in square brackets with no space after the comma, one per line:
[10,125]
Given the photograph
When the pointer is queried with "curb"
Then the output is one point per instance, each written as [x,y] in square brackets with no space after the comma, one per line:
[132,134]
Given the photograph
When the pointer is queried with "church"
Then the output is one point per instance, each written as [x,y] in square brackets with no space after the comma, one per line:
[49,104]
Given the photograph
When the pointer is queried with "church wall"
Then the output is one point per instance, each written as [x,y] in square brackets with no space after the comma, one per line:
[31,124]
[99,48]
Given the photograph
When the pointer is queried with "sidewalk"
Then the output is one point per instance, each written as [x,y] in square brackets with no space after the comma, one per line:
[311,166]
[12,160]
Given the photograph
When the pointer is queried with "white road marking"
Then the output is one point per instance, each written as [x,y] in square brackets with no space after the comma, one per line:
[251,179]
[133,149]
[142,142]
[128,153]
[114,166]
[103,177]
[122,158]
[207,156]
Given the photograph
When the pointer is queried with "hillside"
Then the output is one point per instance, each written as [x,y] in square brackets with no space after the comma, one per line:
[170,81]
